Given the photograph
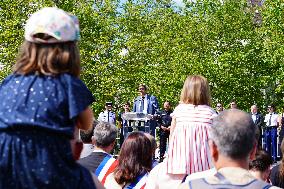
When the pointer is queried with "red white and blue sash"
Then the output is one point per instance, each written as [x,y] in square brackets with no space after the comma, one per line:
[106,167]
[139,183]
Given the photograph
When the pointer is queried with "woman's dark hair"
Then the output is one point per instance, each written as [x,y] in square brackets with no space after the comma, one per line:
[48,59]
[281,167]
[127,103]
[135,158]
[261,162]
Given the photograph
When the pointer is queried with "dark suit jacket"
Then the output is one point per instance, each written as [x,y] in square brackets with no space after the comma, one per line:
[259,120]
[92,161]
[152,101]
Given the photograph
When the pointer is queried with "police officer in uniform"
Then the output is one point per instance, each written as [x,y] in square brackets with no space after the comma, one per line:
[164,122]
[107,115]
[270,135]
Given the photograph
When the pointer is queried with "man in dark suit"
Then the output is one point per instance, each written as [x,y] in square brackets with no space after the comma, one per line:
[258,122]
[147,104]
[100,162]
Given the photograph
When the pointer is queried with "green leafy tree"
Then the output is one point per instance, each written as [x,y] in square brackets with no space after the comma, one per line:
[125,43]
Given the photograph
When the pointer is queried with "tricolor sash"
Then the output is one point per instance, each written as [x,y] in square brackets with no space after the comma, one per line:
[139,183]
[106,167]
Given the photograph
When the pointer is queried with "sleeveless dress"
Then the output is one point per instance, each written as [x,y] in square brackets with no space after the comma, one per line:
[188,147]
[37,121]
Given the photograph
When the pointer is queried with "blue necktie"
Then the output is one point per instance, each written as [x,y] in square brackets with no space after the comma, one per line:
[107,116]
[269,122]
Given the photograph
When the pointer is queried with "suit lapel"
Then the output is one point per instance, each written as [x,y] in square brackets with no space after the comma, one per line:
[257,118]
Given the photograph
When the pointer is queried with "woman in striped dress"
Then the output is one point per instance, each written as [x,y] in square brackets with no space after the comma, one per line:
[188,146]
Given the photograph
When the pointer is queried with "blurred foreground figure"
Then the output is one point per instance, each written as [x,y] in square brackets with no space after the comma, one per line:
[40,107]
[232,145]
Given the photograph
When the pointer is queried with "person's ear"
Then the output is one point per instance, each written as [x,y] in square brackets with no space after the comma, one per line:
[113,144]
[213,150]
[93,140]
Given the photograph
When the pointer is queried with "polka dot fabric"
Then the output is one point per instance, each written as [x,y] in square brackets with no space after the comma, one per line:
[39,160]
[37,120]
[43,101]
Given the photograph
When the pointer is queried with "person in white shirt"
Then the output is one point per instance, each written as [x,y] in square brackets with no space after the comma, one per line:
[86,138]
[107,115]
[270,133]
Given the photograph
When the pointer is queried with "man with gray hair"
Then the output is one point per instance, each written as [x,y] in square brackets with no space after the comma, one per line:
[100,161]
[257,119]
[232,144]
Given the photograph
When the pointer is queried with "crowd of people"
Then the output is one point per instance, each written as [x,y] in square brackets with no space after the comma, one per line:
[45,116]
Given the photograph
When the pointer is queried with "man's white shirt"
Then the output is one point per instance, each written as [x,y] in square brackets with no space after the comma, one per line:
[273,121]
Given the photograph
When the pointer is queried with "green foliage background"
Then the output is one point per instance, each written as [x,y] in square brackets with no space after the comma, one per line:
[241,59]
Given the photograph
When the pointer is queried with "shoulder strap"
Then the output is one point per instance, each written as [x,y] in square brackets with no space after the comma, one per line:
[224,183]
[106,167]
[222,179]
[199,183]
[184,178]
[139,182]
[259,184]
[102,164]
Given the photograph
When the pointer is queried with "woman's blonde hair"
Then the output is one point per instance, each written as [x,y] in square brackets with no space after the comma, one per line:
[196,91]
[48,59]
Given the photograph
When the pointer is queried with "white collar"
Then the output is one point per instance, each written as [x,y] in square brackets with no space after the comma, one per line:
[146,95]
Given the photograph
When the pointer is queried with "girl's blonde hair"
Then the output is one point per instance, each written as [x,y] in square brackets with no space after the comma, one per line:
[48,59]
[196,91]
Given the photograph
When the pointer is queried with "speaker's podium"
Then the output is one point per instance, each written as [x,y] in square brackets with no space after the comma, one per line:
[138,121]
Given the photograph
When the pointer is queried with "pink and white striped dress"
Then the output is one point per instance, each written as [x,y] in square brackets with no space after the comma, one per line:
[188,147]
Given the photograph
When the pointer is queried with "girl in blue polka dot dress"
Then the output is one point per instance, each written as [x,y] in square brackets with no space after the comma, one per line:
[41,104]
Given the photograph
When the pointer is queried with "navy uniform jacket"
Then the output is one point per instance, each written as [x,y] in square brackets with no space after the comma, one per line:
[165,120]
